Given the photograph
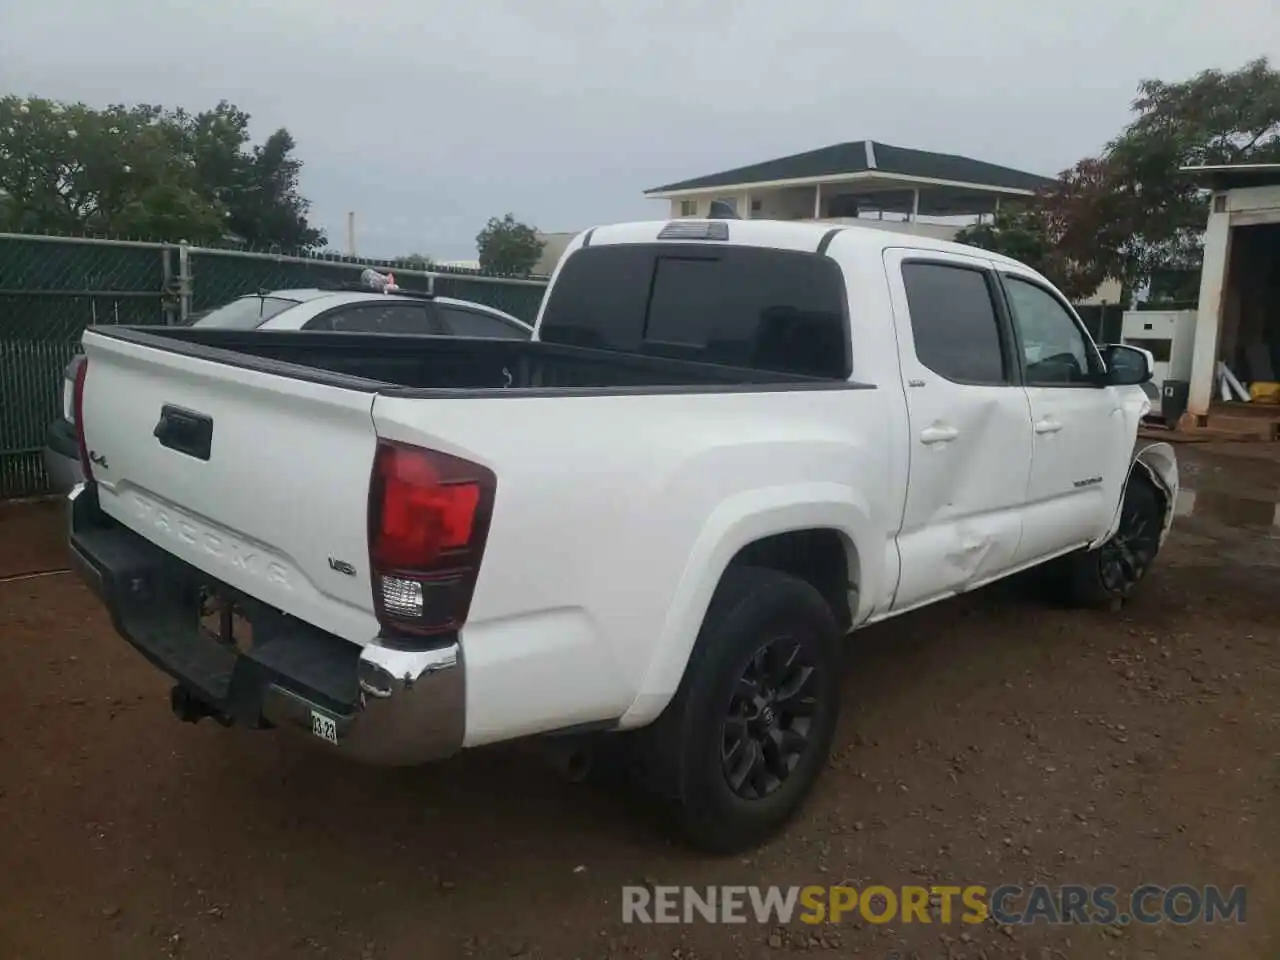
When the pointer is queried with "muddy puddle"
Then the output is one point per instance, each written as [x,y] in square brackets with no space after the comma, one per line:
[1228,508]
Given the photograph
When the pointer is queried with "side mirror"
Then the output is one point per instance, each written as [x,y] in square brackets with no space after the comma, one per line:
[1127,366]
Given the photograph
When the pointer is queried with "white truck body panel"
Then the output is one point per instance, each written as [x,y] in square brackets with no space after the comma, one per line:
[616,515]
[606,577]
[300,451]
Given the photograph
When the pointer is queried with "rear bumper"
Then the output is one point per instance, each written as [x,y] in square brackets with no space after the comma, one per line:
[62,456]
[382,706]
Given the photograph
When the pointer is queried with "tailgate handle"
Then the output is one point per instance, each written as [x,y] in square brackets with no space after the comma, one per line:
[186,431]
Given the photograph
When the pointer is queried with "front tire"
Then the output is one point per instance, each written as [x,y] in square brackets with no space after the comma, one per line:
[749,730]
[1108,574]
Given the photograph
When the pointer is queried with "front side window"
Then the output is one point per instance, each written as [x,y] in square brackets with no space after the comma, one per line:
[954,322]
[1055,350]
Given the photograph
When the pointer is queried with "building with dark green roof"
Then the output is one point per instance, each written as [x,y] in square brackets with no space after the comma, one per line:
[895,186]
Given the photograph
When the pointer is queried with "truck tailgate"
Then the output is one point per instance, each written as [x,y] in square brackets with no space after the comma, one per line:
[258,479]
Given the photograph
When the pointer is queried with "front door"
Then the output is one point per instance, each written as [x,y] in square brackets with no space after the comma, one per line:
[969,422]
[1077,422]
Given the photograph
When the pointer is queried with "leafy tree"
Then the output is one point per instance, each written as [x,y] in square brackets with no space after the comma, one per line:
[145,171]
[1033,236]
[508,246]
[414,261]
[1015,233]
[258,185]
[1212,118]
[1131,214]
[67,169]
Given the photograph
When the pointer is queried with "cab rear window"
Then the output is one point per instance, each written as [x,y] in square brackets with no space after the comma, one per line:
[740,306]
[245,313]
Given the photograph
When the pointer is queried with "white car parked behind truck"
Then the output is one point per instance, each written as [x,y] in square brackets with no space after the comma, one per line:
[372,306]
[728,445]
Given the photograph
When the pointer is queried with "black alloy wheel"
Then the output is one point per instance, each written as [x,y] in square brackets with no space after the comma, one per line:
[1124,559]
[768,724]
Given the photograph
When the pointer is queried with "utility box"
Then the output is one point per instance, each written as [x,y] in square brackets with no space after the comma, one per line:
[1173,400]
[1170,337]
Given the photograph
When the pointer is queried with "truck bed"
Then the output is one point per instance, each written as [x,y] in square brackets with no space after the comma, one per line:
[441,366]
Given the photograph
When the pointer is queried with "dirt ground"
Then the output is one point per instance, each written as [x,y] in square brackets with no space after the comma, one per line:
[990,740]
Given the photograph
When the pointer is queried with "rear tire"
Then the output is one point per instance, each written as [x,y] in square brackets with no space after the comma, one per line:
[1108,574]
[750,727]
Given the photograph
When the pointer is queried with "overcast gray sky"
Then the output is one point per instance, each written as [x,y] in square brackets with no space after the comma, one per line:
[427,118]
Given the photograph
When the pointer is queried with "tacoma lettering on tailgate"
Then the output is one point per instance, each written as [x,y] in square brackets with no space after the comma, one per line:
[170,524]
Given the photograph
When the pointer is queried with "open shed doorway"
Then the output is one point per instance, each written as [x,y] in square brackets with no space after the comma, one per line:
[1250,343]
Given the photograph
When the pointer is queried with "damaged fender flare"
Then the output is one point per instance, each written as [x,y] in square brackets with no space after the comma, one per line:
[1160,464]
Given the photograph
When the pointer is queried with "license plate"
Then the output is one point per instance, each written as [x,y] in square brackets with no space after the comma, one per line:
[324,727]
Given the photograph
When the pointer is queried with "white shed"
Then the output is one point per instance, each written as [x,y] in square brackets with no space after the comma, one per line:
[1238,318]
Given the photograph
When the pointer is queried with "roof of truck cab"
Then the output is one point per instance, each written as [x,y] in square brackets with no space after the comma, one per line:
[799,235]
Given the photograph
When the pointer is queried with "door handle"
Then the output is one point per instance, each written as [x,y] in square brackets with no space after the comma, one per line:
[1048,425]
[938,434]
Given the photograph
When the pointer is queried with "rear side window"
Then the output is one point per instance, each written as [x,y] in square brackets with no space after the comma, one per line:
[393,317]
[472,323]
[740,306]
[954,322]
[246,313]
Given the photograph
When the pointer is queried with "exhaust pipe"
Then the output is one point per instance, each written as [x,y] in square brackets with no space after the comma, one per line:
[571,757]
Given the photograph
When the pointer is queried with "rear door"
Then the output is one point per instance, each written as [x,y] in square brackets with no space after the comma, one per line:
[969,421]
[1081,434]
[259,479]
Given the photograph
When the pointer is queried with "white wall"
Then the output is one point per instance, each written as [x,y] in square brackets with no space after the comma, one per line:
[741,200]
[1244,206]
[1109,292]
[1253,199]
[1213,277]
[788,203]
[797,203]
[938,231]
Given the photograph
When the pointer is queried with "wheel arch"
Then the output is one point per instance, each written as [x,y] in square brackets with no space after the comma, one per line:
[1156,463]
[771,527]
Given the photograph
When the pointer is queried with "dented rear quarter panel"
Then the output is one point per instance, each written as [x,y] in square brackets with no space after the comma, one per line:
[615,518]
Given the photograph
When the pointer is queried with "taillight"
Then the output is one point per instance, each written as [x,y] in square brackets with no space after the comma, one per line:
[77,406]
[428,520]
[69,388]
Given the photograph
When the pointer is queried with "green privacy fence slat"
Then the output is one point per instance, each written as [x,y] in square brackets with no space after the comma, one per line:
[52,288]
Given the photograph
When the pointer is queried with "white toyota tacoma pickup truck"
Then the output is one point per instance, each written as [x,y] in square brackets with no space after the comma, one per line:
[729,444]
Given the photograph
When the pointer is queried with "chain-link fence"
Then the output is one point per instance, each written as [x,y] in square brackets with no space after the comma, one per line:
[52,288]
